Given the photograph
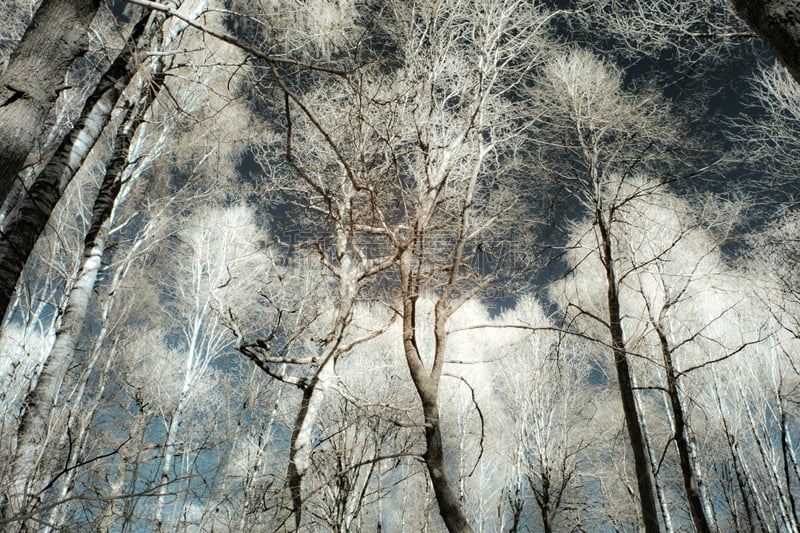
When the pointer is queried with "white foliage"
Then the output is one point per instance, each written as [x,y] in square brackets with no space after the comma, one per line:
[159,373]
[586,86]
[23,352]
[225,260]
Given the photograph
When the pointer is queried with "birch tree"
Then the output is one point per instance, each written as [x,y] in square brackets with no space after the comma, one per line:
[677,263]
[34,76]
[223,262]
[541,381]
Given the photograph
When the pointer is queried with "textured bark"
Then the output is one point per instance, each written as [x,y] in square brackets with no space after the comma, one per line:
[40,201]
[94,246]
[15,247]
[23,230]
[36,73]
[777,23]
[644,474]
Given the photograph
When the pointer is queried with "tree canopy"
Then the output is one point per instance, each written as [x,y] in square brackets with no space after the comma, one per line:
[462,265]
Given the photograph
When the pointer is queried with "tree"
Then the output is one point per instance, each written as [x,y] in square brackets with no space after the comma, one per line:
[542,379]
[605,137]
[672,259]
[368,423]
[775,22]
[224,265]
[22,231]
[770,139]
[403,177]
[35,75]
[390,164]
[698,29]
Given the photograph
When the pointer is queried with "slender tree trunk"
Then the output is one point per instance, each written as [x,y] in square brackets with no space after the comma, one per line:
[349,273]
[95,241]
[692,483]
[427,387]
[543,498]
[767,456]
[787,471]
[641,459]
[168,457]
[301,443]
[662,499]
[57,35]
[752,514]
[34,422]
[62,354]
[112,508]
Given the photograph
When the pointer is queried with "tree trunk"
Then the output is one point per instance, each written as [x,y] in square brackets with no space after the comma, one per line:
[543,498]
[662,499]
[34,423]
[777,23]
[34,420]
[301,444]
[314,390]
[23,230]
[752,515]
[692,483]
[427,387]
[62,354]
[787,471]
[30,85]
[644,474]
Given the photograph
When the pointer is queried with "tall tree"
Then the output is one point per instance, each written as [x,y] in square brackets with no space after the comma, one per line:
[541,381]
[604,138]
[24,228]
[35,75]
[407,174]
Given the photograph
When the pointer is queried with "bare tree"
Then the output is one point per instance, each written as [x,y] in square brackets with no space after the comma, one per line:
[542,380]
[402,176]
[770,140]
[668,248]
[26,224]
[606,137]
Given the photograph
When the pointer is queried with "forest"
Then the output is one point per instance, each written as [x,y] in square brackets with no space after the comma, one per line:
[400,266]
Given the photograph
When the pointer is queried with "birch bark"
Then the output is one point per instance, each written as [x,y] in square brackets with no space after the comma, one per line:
[30,85]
